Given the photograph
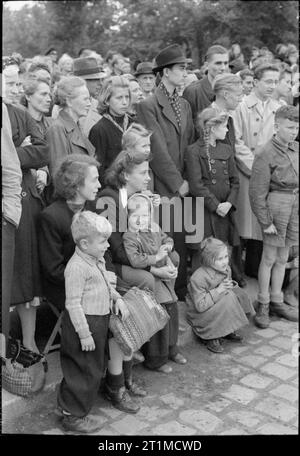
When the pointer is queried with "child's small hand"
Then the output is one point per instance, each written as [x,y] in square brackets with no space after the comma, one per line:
[168,247]
[295,263]
[162,253]
[121,308]
[271,229]
[87,344]
[224,287]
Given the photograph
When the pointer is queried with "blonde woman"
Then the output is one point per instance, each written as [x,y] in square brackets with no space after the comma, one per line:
[212,174]
[106,134]
[64,136]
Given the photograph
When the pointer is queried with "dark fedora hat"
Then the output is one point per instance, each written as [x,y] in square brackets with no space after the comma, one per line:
[87,68]
[169,56]
[50,49]
[144,68]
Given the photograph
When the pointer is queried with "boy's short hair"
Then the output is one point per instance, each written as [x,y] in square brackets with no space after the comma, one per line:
[87,224]
[287,112]
[244,73]
[215,49]
[260,70]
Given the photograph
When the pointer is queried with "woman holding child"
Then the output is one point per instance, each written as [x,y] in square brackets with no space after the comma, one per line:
[129,174]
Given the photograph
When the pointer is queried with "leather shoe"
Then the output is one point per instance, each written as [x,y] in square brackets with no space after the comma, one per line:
[138,357]
[234,336]
[121,400]
[214,346]
[85,425]
[179,359]
[284,311]
[135,390]
[165,369]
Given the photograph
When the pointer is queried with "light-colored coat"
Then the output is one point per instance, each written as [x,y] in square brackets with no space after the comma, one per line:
[91,119]
[64,138]
[254,127]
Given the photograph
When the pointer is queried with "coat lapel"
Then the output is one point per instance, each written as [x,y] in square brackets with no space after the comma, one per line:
[75,134]
[166,108]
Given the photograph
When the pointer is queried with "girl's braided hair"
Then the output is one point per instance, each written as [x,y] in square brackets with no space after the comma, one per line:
[207,119]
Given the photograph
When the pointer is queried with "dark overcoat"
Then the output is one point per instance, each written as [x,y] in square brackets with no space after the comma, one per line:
[218,186]
[26,280]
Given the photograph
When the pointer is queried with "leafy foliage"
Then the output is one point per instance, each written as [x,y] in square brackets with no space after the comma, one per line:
[139,28]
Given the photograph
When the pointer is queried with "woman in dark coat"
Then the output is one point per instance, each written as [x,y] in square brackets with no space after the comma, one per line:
[33,154]
[106,134]
[212,174]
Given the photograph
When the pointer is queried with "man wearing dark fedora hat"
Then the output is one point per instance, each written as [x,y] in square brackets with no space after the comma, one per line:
[88,69]
[146,78]
[169,118]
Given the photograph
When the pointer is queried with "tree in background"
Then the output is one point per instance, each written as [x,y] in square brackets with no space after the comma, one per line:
[139,28]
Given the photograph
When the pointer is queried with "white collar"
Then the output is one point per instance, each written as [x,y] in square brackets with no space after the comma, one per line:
[123,196]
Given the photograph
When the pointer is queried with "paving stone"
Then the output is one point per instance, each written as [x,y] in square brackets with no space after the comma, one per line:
[128,425]
[204,421]
[248,419]
[110,412]
[288,360]
[234,431]
[280,324]
[152,413]
[277,409]
[266,350]
[256,381]
[106,431]
[218,405]
[287,392]
[275,429]
[54,431]
[239,350]
[278,371]
[240,394]
[253,341]
[268,333]
[252,360]
[284,343]
[173,428]
[171,400]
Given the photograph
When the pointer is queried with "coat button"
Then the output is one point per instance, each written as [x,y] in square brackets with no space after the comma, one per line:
[214,171]
[23,194]
[227,182]
[213,181]
[225,171]
[212,160]
[253,149]
[255,133]
[257,120]
[224,162]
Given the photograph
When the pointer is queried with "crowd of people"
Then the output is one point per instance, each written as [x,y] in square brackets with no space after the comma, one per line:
[93,152]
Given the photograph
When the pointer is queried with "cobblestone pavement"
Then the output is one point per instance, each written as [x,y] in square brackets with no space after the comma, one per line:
[251,389]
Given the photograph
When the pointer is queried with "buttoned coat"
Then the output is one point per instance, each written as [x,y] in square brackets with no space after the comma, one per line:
[64,138]
[253,128]
[217,186]
[168,140]
[26,280]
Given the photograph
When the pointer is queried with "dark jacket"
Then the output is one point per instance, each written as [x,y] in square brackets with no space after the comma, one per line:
[64,138]
[26,266]
[200,95]
[273,169]
[218,186]
[107,140]
[56,246]
[168,141]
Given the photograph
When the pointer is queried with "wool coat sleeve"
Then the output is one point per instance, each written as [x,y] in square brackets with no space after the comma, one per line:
[138,259]
[98,138]
[51,249]
[202,297]
[259,189]
[35,155]
[234,182]
[162,164]
[244,156]
[194,173]
[59,145]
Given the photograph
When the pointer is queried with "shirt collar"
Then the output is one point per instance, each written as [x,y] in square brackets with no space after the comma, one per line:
[89,258]
[123,196]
